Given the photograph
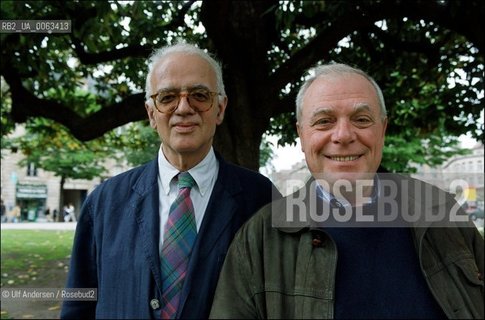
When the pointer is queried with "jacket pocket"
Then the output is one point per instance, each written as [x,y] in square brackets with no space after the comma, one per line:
[470,272]
[470,290]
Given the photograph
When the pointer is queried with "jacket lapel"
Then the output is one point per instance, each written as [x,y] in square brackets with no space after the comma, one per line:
[220,210]
[145,207]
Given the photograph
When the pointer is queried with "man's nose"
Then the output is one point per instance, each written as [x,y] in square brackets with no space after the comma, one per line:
[184,105]
[343,132]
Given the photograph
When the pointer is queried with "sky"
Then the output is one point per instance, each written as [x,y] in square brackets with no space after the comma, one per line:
[284,157]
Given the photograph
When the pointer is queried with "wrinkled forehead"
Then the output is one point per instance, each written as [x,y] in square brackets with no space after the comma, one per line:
[178,70]
[339,90]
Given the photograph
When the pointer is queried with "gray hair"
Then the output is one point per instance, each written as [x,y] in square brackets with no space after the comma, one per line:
[336,69]
[184,48]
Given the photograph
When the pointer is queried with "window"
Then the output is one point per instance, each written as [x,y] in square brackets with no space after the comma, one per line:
[31,170]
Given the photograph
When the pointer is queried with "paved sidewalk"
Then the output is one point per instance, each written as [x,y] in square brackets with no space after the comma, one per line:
[39,226]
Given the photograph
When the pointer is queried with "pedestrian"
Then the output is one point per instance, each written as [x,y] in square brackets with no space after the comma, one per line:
[346,245]
[71,212]
[152,240]
[15,214]
[47,214]
[66,214]
[3,212]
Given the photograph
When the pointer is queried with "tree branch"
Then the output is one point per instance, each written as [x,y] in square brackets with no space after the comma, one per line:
[134,50]
[25,104]
[316,50]
[111,55]
[364,17]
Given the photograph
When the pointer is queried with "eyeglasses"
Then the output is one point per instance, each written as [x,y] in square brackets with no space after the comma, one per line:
[199,99]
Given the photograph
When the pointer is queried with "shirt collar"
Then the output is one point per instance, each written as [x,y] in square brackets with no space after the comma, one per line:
[328,197]
[203,173]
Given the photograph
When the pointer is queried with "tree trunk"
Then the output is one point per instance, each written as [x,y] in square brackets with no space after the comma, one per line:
[243,55]
[238,148]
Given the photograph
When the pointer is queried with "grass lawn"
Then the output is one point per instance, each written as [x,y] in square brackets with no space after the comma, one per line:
[25,252]
[34,259]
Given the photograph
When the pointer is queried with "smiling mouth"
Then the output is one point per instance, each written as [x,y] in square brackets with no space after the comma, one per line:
[344,158]
[184,124]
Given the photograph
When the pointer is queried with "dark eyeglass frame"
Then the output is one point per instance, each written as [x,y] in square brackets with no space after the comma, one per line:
[184,94]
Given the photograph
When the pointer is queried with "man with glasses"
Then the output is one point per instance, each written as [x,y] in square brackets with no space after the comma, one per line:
[152,240]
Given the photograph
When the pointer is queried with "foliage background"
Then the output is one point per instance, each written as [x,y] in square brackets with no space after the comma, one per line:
[81,93]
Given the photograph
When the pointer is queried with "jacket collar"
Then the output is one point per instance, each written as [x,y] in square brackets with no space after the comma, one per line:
[147,179]
[279,214]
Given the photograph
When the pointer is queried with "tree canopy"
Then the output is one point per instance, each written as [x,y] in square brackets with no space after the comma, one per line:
[427,56]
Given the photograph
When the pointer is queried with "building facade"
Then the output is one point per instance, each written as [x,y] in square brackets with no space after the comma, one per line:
[458,172]
[38,192]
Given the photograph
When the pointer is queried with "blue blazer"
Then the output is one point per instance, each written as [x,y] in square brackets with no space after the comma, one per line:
[116,246]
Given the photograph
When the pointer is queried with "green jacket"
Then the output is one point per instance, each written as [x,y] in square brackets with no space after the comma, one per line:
[279,272]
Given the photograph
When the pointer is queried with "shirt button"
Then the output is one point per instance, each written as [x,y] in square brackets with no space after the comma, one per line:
[155,304]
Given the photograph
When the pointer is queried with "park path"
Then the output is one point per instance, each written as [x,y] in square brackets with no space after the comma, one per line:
[39,226]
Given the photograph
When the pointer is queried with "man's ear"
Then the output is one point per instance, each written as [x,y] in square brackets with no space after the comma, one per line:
[221,105]
[298,130]
[151,115]
[385,121]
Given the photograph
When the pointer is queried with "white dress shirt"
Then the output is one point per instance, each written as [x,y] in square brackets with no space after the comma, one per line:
[204,174]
